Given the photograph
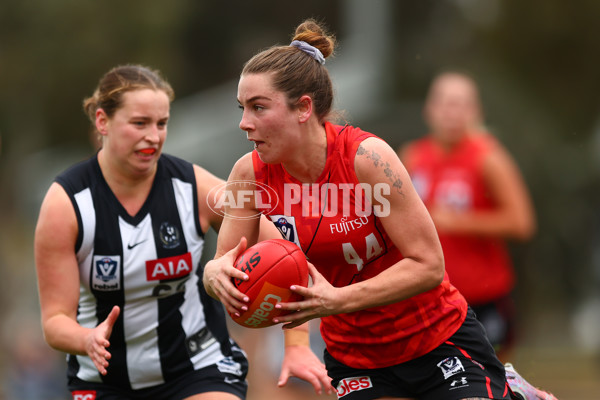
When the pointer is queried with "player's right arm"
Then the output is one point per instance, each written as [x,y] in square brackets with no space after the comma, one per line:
[242,227]
[58,282]
[239,230]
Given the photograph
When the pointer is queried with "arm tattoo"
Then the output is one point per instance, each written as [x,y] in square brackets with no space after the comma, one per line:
[376,158]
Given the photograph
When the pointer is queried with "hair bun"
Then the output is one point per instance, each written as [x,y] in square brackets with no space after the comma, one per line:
[313,33]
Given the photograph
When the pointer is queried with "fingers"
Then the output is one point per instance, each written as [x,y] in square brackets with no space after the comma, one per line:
[221,279]
[306,304]
[301,290]
[113,316]
[106,327]
[101,361]
[314,381]
[96,350]
[321,379]
[312,270]
[234,272]
[316,375]
[299,311]
[314,274]
[219,275]
[97,341]
[325,380]
[283,378]
[229,295]
[241,246]
[313,376]
[232,304]
[292,324]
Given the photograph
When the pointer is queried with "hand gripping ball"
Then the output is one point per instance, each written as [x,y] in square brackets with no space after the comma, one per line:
[272,267]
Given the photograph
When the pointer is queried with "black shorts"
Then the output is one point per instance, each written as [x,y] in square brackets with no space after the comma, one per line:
[464,366]
[209,379]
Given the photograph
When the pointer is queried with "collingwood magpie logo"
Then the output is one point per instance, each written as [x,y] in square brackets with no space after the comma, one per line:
[106,273]
[169,235]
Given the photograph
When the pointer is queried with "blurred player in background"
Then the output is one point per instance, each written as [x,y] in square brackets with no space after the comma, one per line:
[477,198]
[117,248]
[394,326]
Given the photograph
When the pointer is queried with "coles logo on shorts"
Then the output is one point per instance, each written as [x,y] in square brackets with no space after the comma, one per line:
[84,395]
[353,384]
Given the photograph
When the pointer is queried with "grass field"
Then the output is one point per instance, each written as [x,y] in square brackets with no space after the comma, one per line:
[569,374]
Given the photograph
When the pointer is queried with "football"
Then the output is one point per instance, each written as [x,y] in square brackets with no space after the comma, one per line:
[272,267]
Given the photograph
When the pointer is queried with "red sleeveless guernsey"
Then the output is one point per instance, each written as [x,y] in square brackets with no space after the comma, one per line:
[346,246]
[479,266]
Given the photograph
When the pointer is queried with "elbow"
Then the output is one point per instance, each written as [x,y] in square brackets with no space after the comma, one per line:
[435,273]
[52,343]
[49,338]
[438,276]
[57,335]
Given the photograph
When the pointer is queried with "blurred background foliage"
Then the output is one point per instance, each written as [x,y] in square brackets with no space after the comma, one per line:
[537,62]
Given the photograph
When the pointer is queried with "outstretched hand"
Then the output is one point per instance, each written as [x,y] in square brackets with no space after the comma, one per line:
[97,341]
[301,362]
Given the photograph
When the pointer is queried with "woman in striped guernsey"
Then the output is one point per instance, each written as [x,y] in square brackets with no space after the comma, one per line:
[117,249]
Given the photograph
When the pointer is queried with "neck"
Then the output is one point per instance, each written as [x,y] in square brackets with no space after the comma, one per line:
[449,139]
[309,160]
[131,190]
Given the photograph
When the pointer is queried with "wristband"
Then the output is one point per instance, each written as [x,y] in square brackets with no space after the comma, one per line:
[296,338]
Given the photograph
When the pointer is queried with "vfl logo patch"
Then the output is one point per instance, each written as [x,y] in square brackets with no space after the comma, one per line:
[287,227]
[106,273]
[84,394]
[353,384]
[451,366]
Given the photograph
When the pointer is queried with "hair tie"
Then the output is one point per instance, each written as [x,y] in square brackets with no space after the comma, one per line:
[310,50]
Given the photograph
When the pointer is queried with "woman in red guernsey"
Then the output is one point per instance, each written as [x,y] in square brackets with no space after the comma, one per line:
[477,199]
[394,327]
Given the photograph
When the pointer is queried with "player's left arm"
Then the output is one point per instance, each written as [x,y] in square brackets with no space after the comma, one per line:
[408,224]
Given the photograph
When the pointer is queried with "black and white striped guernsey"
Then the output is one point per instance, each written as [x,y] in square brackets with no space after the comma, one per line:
[147,264]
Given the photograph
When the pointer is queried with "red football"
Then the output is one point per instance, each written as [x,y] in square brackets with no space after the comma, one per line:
[272,267]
